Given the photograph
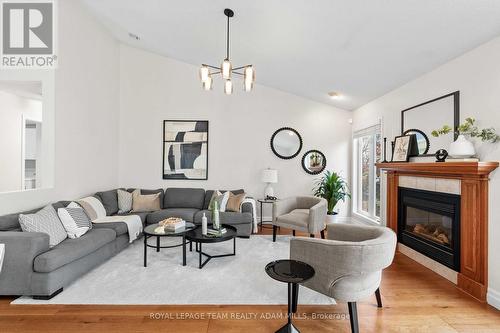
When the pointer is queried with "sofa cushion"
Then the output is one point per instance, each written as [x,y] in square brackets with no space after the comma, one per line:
[119,227]
[144,203]
[10,222]
[225,217]
[210,193]
[184,198]
[72,249]
[185,213]
[109,200]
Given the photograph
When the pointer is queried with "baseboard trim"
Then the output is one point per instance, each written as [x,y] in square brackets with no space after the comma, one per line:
[493,298]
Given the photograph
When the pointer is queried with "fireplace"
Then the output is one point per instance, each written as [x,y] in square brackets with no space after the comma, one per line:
[429,222]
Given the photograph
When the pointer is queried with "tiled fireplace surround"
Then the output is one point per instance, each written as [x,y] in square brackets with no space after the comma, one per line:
[470,181]
[442,185]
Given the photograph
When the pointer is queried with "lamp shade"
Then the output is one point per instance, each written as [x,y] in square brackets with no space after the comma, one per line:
[269,176]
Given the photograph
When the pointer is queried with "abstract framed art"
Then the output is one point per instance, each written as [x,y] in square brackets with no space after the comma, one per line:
[185,149]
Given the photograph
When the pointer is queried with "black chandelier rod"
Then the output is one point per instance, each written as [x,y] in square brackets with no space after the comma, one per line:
[227,39]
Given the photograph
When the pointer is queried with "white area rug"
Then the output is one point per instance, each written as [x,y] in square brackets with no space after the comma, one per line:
[230,280]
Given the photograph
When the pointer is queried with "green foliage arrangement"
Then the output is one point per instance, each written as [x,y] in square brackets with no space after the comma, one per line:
[468,128]
[332,187]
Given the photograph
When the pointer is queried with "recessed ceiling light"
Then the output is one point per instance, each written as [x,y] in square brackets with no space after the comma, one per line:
[133,36]
[334,95]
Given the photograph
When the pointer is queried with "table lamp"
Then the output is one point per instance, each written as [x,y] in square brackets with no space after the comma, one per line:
[269,176]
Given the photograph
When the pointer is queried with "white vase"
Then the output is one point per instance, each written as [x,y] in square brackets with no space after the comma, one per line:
[461,148]
[331,218]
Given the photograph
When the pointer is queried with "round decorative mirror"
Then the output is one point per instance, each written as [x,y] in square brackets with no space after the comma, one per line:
[286,143]
[313,162]
[422,140]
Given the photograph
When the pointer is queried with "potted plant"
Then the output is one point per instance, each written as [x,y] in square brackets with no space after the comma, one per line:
[463,148]
[332,187]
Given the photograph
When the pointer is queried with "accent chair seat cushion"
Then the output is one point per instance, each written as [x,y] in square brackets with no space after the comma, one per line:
[186,214]
[70,250]
[297,219]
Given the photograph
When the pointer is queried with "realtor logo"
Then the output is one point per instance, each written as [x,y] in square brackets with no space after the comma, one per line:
[28,34]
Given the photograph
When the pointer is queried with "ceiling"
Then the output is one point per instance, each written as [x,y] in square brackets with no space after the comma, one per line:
[27,89]
[361,49]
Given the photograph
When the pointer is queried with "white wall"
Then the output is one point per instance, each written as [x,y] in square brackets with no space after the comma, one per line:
[156,88]
[12,110]
[477,75]
[86,111]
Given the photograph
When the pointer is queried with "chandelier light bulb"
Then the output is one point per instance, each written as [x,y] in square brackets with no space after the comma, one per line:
[228,87]
[204,73]
[249,78]
[207,84]
[226,69]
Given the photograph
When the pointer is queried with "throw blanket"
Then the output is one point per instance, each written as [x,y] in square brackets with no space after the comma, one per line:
[254,212]
[133,222]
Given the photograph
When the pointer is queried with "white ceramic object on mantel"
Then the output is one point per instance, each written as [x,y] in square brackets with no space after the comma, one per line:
[461,148]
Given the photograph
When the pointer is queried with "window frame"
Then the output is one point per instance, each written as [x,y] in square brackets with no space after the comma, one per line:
[357,197]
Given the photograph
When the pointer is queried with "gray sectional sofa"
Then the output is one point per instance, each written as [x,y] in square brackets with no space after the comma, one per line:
[32,268]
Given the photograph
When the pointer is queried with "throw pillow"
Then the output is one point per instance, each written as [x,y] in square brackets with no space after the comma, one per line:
[46,221]
[145,203]
[221,199]
[75,221]
[124,201]
[93,207]
[234,202]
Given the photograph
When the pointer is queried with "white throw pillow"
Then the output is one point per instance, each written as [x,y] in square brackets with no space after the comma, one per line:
[124,201]
[75,221]
[46,221]
[93,208]
[221,199]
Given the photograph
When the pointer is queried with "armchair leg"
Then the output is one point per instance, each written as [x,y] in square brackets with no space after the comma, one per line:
[311,235]
[274,233]
[353,315]
[322,234]
[379,299]
[293,233]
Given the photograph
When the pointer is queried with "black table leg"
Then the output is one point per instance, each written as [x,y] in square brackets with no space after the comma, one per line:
[295,296]
[200,266]
[190,246]
[157,244]
[145,251]
[234,246]
[183,250]
[293,292]
[261,205]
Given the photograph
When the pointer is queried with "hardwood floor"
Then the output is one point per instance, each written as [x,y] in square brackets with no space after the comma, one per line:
[415,300]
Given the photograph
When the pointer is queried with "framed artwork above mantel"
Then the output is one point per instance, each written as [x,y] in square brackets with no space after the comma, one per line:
[423,118]
[185,149]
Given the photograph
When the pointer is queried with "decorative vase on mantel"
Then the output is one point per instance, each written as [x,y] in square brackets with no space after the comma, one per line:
[461,148]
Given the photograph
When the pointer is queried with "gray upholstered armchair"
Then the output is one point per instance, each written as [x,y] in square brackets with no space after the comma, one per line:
[307,214]
[348,264]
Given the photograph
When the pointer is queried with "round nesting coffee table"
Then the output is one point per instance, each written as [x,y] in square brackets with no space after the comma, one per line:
[149,232]
[291,272]
[197,237]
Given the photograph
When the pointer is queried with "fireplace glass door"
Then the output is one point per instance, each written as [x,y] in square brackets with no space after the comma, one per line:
[429,225]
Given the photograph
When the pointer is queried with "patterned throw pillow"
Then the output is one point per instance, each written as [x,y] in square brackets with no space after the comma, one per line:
[93,207]
[75,221]
[124,201]
[234,202]
[46,221]
[221,199]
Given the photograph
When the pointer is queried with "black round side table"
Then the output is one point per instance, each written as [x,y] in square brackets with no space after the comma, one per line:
[292,272]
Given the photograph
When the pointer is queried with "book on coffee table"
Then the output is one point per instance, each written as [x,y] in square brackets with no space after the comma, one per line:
[175,226]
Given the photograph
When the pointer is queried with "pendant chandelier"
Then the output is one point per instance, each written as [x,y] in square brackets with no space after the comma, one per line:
[207,72]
